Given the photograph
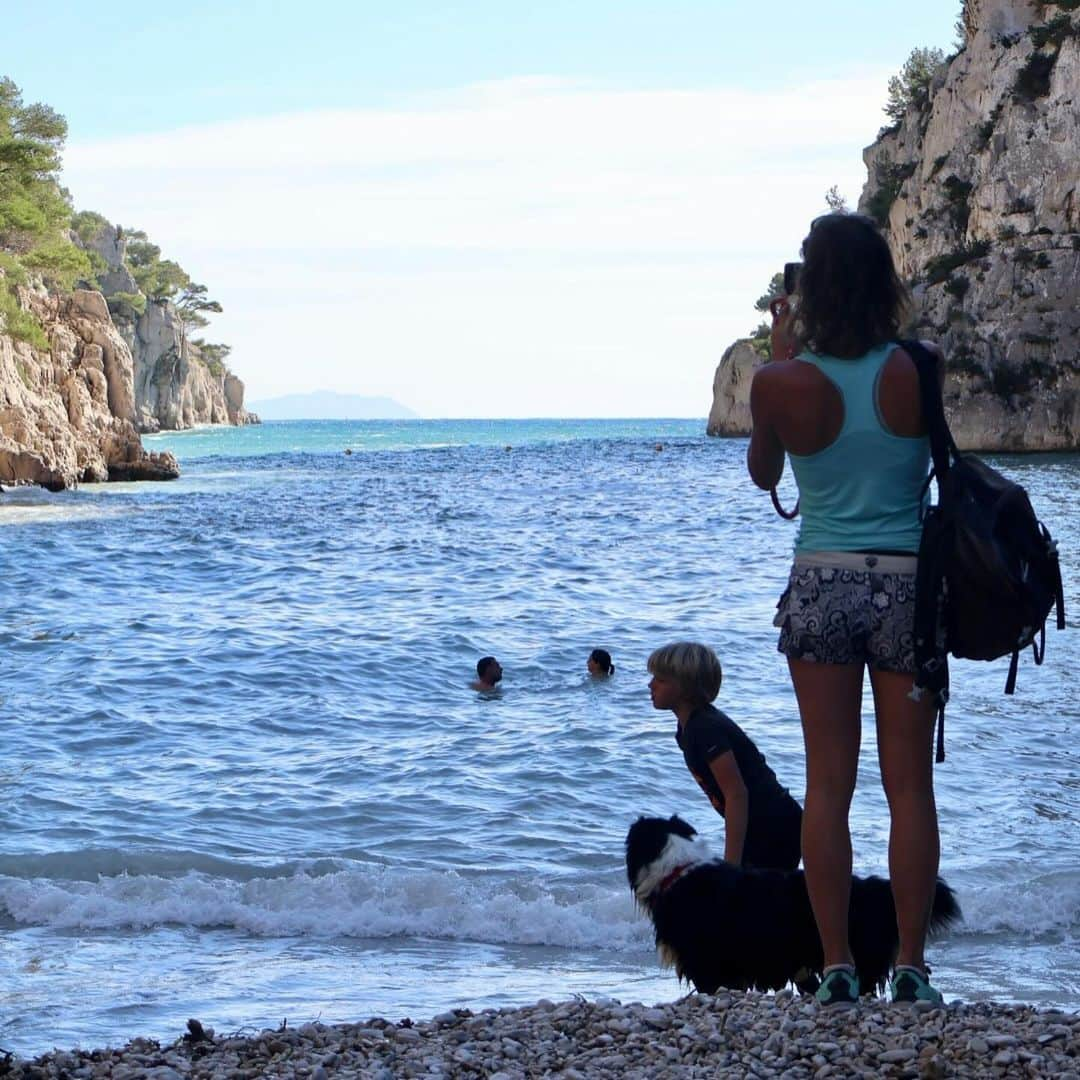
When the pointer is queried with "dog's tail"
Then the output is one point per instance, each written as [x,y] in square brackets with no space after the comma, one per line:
[946,910]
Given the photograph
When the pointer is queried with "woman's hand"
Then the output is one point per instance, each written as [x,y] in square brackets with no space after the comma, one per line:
[782,339]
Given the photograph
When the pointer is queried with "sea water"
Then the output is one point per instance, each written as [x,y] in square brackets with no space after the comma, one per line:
[245,779]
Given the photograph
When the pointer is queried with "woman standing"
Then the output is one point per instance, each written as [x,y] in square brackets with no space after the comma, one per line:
[842,401]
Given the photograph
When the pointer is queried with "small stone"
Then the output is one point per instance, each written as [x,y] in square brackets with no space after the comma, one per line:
[978,1045]
[894,1057]
[933,1067]
[656,1018]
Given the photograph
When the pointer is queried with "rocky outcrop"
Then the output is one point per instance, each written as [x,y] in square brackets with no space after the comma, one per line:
[66,413]
[980,194]
[979,191]
[175,387]
[730,413]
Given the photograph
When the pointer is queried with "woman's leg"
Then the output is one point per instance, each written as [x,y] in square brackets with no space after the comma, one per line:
[905,732]
[830,702]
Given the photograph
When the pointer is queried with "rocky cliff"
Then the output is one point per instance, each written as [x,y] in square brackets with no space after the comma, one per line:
[175,387]
[116,365]
[730,412]
[978,188]
[66,413]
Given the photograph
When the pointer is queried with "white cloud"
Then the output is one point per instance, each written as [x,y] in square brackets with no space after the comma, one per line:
[517,248]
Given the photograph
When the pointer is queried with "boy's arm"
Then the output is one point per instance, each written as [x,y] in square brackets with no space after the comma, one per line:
[726,772]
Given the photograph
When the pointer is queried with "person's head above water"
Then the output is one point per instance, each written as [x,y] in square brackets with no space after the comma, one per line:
[488,671]
[599,663]
[850,297]
[684,671]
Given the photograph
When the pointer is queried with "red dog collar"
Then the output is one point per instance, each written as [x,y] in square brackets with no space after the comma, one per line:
[673,877]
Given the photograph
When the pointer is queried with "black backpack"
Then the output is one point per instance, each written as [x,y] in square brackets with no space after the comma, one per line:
[988,572]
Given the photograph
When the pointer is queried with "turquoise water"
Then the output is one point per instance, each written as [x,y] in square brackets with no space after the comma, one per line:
[245,777]
[322,436]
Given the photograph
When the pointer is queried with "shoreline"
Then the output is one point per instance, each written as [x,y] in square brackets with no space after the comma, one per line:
[699,1035]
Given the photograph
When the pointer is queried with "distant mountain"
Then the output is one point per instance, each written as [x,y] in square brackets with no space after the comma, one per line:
[327,405]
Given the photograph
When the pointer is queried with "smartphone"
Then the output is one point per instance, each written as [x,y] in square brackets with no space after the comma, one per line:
[791,278]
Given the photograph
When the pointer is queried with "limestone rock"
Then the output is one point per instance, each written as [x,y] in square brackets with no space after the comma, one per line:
[65,413]
[980,195]
[174,388]
[730,413]
[152,466]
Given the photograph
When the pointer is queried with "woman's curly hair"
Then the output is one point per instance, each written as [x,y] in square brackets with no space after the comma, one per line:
[850,297]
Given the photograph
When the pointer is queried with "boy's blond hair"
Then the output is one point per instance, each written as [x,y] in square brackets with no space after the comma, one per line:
[693,666]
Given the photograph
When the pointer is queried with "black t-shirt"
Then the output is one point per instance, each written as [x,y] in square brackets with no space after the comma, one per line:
[775,818]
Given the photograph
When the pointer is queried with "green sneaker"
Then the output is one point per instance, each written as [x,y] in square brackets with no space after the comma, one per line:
[911,984]
[840,986]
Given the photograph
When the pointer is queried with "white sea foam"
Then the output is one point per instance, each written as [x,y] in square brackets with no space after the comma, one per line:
[381,902]
[353,902]
[1028,906]
[37,509]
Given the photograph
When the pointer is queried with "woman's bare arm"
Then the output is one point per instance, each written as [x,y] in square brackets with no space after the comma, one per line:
[765,457]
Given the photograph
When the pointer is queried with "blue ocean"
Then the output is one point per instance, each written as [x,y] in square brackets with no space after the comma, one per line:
[245,778]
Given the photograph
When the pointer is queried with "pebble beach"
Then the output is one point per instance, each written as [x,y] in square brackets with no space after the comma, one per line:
[730,1034]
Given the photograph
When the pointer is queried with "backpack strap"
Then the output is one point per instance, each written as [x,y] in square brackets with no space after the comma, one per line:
[931,656]
[1059,590]
[1014,663]
[942,446]
[787,515]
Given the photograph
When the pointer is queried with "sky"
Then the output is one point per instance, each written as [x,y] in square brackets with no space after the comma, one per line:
[476,208]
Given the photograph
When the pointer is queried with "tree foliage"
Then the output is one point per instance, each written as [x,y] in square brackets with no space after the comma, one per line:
[214,355]
[159,279]
[35,210]
[193,303]
[775,289]
[836,202]
[33,206]
[59,262]
[912,86]
[41,238]
[87,225]
[127,304]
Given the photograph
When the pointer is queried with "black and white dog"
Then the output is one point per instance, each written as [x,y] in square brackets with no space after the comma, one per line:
[722,925]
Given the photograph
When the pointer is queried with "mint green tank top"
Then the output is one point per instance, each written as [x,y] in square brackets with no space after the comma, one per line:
[863,491]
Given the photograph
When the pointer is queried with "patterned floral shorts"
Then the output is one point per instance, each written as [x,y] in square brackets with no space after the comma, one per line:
[841,615]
